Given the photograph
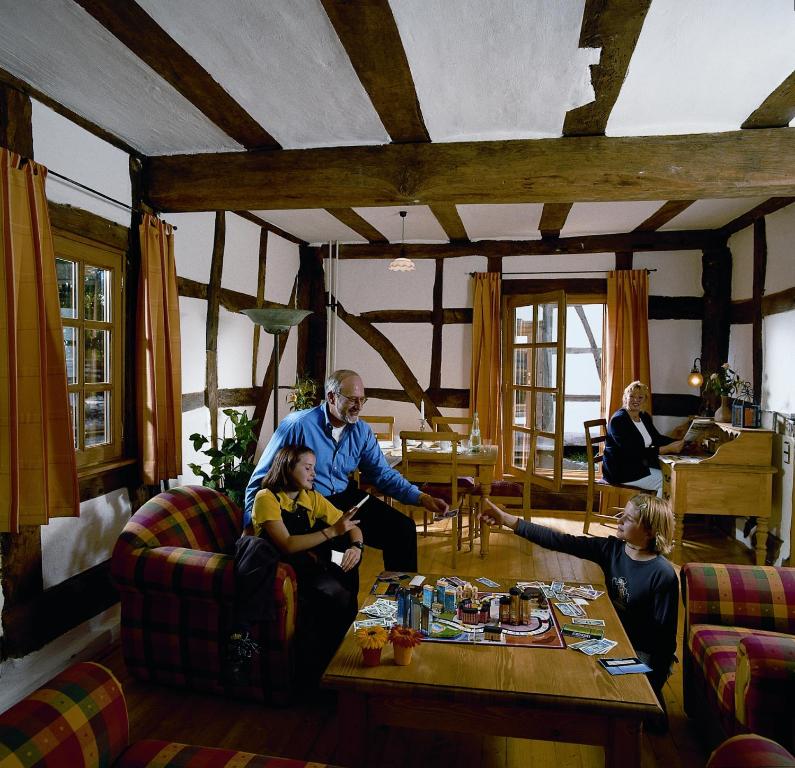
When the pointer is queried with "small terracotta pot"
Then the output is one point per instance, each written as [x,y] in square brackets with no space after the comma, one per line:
[371,657]
[403,655]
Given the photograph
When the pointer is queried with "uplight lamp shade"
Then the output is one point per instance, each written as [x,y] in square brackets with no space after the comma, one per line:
[401,264]
[276,319]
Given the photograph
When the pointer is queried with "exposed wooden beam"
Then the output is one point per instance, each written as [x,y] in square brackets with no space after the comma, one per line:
[553,217]
[624,260]
[614,26]
[437,318]
[627,241]
[211,331]
[370,36]
[360,226]
[88,224]
[749,217]
[777,110]
[757,292]
[16,129]
[582,168]
[663,215]
[266,225]
[149,42]
[450,222]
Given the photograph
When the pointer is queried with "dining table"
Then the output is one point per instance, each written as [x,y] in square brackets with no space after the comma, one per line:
[478,464]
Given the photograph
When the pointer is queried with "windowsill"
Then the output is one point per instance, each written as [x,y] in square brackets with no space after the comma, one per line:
[104,467]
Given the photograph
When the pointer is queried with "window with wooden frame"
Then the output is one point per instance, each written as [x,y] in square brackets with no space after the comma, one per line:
[552,381]
[90,281]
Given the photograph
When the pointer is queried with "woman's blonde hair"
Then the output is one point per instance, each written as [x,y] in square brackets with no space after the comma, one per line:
[656,515]
[635,386]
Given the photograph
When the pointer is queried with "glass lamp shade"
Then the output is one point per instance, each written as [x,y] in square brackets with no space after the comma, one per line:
[401,264]
[276,319]
[695,379]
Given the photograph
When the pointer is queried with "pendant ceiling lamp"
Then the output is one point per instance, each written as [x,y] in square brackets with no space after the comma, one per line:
[402,264]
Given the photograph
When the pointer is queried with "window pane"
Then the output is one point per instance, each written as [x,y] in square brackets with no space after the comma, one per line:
[524,325]
[546,367]
[97,418]
[72,354]
[547,329]
[73,414]
[96,294]
[545,453]
[521,449]
[67,279]
[521,366]
[520,407]
[545,411]
[97,357]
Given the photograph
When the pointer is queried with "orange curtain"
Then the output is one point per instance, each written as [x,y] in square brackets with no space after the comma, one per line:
[157,344]
[486,371]
[626,336]
[38,475]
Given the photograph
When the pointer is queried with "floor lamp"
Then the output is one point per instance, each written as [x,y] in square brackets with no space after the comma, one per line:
[276,320]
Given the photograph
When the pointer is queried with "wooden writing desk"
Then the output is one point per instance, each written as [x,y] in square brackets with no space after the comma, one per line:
[501,690]
[737,480]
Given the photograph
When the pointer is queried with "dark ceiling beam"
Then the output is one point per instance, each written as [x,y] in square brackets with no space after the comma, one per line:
[260,222]
[582,168]
[149,42]
[663,215]
[777,110]
[749,217]
[614,26]
[553,217]
[369,34]
[625,241]
[450,221]
[361,226]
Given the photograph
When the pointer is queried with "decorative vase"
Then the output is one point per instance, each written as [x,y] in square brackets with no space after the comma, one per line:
[371,657]
[403,655]
[724,413]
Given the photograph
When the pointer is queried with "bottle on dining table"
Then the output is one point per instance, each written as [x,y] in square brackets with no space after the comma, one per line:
[474,435]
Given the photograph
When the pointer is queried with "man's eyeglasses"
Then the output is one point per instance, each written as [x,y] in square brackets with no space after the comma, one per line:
[357,401]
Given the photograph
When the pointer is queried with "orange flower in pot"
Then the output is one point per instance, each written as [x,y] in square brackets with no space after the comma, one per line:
[371,640]
[403,640]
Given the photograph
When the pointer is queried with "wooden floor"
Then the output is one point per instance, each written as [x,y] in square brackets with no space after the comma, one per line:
[311,731]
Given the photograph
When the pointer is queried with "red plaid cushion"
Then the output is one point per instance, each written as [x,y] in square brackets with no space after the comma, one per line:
[506,488]
[750,751]
[79,718]
[164,754]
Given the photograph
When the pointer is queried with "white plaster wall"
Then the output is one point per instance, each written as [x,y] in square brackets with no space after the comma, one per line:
[678,272]
[740,350]
[72,545]
[235,339]
[193,338]
[68,149]
[457,289]
[193,244]
[241,255]
[778,390]
[780,231]
[195,421]
[456,355]
[536,265]
[281,268]
[741,245]
[673,345]
[364,285]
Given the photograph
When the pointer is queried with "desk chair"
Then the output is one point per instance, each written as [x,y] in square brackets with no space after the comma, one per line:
[611,497]
[436,474]
[384,429]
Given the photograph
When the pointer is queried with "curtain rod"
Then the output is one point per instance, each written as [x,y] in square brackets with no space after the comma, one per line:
[563,272]
[96,192]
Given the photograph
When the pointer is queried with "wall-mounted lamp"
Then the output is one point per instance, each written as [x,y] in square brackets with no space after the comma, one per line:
[401,263]
[696,378]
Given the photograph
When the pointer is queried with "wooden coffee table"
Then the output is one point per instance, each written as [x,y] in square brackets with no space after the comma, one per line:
[530,693]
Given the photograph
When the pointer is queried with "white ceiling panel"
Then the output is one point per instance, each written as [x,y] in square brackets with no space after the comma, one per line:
[606,218]
[59,49]
[421,224]
[711,214]
[501,70]
[282,62]
[314,225]
[704,66]
[501,222]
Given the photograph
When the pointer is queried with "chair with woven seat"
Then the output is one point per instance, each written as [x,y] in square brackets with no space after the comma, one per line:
[436,473]
[612,496]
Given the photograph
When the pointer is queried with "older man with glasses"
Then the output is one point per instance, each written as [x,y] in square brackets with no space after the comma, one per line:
[343,444]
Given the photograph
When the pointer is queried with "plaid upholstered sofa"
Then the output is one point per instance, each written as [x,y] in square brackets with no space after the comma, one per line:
[739,649]
[173,565]
[79,720]
[750,751]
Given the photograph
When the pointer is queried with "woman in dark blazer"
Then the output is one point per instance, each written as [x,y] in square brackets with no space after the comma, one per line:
[633,444]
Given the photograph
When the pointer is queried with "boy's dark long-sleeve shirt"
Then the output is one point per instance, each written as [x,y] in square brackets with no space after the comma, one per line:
[645,593]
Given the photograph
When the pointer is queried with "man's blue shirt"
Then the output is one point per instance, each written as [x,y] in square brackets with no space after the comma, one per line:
[357,449]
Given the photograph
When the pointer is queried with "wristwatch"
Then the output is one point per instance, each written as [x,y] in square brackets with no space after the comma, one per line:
[358,545]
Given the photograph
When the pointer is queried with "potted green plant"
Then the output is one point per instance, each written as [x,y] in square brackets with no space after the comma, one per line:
[303,394]
[231,462]
[727,383]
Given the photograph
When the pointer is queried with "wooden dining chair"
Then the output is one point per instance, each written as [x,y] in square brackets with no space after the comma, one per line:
[384,429]
[612,497]
[460,424]
[435,473]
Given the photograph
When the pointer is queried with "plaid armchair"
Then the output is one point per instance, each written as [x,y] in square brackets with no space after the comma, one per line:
[739,649]
[79,720]
[173,565]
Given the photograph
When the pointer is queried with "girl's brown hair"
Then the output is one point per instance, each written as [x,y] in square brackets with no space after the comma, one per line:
[657,517]
[280,476]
